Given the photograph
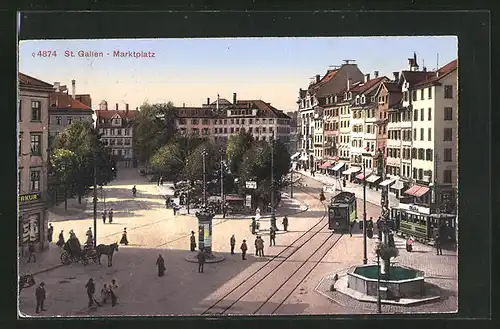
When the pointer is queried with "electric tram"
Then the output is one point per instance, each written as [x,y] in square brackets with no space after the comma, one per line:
[342,211]
[418,222]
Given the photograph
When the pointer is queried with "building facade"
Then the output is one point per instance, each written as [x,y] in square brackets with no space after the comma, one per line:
[221,119]
[33,128]
[117,133]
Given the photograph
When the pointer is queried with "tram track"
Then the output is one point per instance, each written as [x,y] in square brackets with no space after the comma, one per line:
[268,270]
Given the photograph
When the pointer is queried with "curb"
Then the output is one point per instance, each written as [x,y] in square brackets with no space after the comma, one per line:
[47,269]
[243,217]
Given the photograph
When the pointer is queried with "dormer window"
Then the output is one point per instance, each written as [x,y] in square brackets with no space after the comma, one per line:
[350,95]
[345,96]
[363,99]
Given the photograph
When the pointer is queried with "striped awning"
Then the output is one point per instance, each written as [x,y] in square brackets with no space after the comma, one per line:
[417,190]
[387,182]
[338,166]
[372,178]
[362,175]
[355,169]
[295,155]
[325,165]
[398,185]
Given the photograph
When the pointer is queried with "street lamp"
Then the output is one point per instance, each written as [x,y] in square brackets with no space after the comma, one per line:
[379,302]
[365,257]
[204,153]
[222,183]
[95,199]
[273,211]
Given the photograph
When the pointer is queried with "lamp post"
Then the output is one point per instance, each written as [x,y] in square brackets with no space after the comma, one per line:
[222,183]
[365,257]
[273,211]
[95,200]
[204,153]
[379,302]
[291,183]
[103,197]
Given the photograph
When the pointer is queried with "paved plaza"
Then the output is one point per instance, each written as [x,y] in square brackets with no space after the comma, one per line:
[154,230]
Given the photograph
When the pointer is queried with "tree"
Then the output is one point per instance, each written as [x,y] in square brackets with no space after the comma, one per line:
[154,127]
[64,166]
[236,147]
[82,139]
[168,160]
[386,252]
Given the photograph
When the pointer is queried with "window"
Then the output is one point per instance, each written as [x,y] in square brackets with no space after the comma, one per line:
[36,111]
[448,113]
[414,133]
[194,121]
[429,114]
[127,132]
[119,132]
[421,134]
[182,121]
[128,141]
[429,93]
[413,153]
[405,96]
[20,111]
[35,180]
[448,134]
[232,130]
[420,174]
[58,121]
[447,176]
[112,141]
[448,91]
[20,143]
[70,119]
[204,121]
[36,144]
[447,155]
[428,154]
[415,115]
[225,130]
[421,94]
[429,134]
[414,173]
[421,154]
[421,114]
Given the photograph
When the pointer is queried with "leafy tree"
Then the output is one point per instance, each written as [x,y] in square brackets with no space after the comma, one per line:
[168,160]
[64,166]
[154,126]
[237,145]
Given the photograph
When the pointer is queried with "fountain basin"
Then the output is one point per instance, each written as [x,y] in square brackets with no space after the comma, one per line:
[403,282]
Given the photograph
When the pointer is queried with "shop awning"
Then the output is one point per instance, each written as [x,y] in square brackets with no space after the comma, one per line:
[372,178]
[398,185]
[355,169]
[417,190]
[362,175]
[325,165]
[303,158]
[338,166]
[347,171]
[295,155]
[387,182]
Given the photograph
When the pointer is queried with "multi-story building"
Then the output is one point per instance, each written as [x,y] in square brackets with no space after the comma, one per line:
[116,130]
[331,83]
[65,108]
[318,122]
[221,119]
[331,131]
[33,128]
[293,145]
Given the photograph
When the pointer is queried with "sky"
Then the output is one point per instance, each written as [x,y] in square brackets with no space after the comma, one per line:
[188,71]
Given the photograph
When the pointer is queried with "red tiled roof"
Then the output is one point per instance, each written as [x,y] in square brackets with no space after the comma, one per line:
[362,87]
[62,101]
[195,112]
[413,77]
[434,78]
[30,81]
[327,77]
[392,86]
[108,114]
[265,109]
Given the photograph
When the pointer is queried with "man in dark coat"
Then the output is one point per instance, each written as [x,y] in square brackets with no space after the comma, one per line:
[60,241]
[90,291]
[254,225]
[31,252]
[160,262]
[201,260]
[232,242]
[439,251]
[192,241]
[40,297]
[50,233]
[285,223]
[272,237]
[244,249]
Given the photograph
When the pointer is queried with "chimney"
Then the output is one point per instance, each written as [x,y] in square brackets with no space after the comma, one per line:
[234,98]
[183,104]
[396,76]
[375,74]
[410,63]
[367,77]
[117,106]
[348,84]
[126,108]
[73,83]
[57,85]
[318,77]
[208,100]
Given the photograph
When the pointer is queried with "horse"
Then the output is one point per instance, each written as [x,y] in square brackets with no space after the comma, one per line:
[103,249]
[26,281]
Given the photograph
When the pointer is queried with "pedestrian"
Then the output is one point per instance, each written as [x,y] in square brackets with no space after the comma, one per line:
[40,297]
[272,236]
[158,182]
[161,180]
[254,225]
[72,234]
[89,233]
[90,291]
[110,215]
[260,244]
[351,227]
[224,210]
[104,217]
[50,233]
[160,262]
[174,208]
[124,239]
[104,294]
[256,243]
[112,292]
[167,202]
[244,249]
[192,241]
[285,223]
[201,260]
[60,240]
[439,251]
[232,242]
[90,238]
[31,252]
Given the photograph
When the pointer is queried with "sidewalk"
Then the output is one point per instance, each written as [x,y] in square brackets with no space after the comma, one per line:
[288,206]
[75,210]
[45,261]
[372,196]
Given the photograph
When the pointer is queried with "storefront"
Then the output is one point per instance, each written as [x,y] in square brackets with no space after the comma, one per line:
[32,222]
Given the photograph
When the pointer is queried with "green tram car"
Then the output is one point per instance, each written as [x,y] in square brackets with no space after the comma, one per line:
[423,226]
[342,211]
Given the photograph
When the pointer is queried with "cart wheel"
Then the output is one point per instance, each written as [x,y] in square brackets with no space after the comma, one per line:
[65,258]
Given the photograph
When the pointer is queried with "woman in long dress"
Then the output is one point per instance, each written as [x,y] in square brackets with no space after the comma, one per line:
[60,241]
[160,262]
[124,239]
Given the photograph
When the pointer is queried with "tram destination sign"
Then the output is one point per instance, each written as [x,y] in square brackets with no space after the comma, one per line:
[23,198]
[412,207]
[251,185]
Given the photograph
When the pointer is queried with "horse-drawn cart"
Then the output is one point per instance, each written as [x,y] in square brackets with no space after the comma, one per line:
[73,254]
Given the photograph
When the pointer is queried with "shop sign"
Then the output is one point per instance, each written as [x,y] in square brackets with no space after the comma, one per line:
[412,207]
[31,229]
[29,197]
[248,200]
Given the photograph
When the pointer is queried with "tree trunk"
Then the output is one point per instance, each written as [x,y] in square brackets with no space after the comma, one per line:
[79,199]
[66,199]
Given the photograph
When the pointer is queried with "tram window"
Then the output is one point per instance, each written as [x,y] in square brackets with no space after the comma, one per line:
[422,220]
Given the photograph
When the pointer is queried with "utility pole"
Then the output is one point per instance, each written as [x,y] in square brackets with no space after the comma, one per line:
[273,212]
[291,183]
[222,182]
[365,257]
[204,179]
[379,302]
[95,201]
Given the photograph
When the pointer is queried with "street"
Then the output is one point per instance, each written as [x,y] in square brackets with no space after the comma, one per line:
[154,230]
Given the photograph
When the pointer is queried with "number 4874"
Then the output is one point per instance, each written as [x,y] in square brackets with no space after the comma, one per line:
[47,53]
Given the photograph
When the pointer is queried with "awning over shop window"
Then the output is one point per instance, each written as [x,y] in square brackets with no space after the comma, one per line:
[325,165]
[295,155]
[338,166]
[362,175]
[417,190]
[387,182]
[398,185]
[372,178]
[355,169]
[347,172]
